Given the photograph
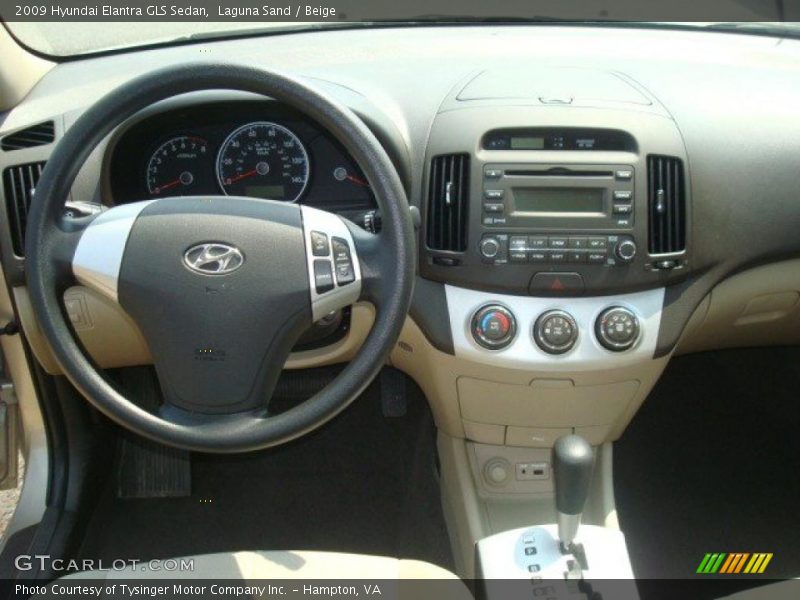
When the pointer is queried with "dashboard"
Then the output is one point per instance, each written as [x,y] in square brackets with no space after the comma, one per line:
[258,149]
[586,209]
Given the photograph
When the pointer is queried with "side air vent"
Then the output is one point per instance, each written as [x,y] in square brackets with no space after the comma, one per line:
[448,197]
[666,198]
[18,185]
[38,135]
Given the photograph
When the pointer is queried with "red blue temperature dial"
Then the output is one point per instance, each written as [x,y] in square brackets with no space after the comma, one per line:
[493,326]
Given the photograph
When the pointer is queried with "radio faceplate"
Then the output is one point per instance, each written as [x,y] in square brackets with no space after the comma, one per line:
[566,197]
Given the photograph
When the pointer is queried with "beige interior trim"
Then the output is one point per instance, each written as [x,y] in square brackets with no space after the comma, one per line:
[31,505]
[19,71]
[758,307]
[113,340]
[487,403]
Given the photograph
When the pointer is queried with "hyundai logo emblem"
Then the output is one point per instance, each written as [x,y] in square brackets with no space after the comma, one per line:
[213,258]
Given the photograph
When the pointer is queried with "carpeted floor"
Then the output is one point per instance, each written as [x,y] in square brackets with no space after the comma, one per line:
[711,463]
[363,483]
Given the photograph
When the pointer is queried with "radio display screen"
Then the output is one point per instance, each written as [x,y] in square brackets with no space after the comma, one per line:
[558,200]
[527,142]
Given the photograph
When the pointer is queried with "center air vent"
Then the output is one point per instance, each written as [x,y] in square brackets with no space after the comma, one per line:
[18,185]
[38,135]
[666,198]
[448,197]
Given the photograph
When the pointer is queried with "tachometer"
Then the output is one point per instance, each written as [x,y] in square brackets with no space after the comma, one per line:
[176,167]
[263,160]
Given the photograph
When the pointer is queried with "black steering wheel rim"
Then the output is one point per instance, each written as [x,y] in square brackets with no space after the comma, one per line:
[48,264]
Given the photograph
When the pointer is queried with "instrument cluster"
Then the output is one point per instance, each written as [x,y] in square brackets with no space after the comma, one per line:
[256,149]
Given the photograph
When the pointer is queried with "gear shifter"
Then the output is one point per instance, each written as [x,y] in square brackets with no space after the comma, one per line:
[573,461]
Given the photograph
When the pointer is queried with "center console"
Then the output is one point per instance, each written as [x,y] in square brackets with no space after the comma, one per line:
[521,189]
[556,217]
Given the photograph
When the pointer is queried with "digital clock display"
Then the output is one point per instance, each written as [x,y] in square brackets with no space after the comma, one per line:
[527,143]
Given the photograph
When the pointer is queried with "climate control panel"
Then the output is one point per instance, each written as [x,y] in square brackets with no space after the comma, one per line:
[616,328]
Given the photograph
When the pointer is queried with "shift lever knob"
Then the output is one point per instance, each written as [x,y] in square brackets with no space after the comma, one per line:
[573,461]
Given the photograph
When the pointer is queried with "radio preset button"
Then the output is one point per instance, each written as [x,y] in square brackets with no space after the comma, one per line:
[537,241]
[579,242]
[557,242]
[537,256]
[555,332]
[558,256]
[596,258]
[598,243]
[493,326]
[576,256]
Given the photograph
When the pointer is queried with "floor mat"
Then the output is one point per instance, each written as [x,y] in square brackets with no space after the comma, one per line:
[711,463]
[362,483]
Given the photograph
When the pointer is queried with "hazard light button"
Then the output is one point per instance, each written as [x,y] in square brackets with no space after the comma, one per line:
[556,284]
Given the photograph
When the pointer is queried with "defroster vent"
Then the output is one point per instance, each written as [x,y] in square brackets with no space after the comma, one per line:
[37,135]
[666,198]
[18,185]
[448,201]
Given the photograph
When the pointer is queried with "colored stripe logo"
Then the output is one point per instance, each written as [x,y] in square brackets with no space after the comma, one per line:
[734,563]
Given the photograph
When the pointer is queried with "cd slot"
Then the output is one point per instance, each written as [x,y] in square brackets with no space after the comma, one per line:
[556,173]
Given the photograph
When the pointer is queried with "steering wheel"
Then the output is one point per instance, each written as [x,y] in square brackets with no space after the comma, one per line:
[221,287]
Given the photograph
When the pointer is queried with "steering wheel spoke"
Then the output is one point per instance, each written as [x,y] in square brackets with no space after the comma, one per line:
[334,268]
[97,256]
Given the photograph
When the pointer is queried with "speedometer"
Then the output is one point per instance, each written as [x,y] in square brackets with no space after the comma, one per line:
[263,160]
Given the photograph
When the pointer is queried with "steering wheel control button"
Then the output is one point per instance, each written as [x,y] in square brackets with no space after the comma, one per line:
[556,284]
[343,261]
[319,244]
[493,327]
[555,332]
[617,328]
[323,276]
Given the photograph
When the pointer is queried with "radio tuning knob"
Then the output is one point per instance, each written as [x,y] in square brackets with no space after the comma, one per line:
[490,247]
[625,250]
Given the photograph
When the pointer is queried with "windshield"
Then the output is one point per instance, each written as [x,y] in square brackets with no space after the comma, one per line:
[64,39]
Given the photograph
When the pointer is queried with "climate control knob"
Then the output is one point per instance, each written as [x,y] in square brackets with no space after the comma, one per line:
[490,247]
[555,332]
[625,250]
[493,326]
[617,328]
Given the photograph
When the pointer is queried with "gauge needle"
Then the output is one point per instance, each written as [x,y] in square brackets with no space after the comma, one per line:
[357,180]
[166,186]
[241,176]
